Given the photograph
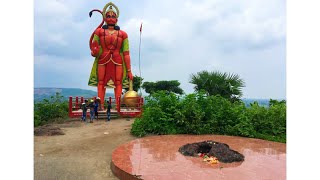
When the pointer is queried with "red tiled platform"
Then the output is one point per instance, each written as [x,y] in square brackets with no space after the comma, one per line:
[157,157]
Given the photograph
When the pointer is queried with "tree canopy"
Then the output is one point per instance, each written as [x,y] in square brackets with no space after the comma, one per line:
[137,82]
[170,86]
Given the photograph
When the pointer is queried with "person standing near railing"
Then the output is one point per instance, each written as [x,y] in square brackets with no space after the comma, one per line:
[84,110]
[91,106]
[108,111]
[96,107]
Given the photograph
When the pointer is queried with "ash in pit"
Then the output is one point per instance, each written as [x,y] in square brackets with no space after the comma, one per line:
[219,150]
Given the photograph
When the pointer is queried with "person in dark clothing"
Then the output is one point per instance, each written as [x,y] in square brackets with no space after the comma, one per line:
[96,107]
[84,110]
[91,106]
[108,111]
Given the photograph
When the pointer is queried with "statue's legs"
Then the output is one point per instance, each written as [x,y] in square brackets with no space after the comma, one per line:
[118,83]
[101,84]
[105,73]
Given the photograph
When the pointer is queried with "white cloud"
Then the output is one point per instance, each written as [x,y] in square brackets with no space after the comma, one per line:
[178,38]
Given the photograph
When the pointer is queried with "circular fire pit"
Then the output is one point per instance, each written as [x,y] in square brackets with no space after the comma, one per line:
[162,157]
[212,148]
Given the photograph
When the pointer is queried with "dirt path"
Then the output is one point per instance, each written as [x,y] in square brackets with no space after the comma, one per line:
[84,152]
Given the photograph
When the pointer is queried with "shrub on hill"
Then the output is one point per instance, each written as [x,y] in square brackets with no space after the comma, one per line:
[168,113]
[49,110]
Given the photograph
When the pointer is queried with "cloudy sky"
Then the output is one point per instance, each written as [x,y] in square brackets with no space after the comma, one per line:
[179,38]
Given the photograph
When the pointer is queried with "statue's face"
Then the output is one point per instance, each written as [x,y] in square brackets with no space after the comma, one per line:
[111,18]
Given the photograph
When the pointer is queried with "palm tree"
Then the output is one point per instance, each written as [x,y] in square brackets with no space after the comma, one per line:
[218,83]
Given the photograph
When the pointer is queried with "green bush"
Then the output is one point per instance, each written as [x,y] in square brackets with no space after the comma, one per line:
[138,128]
[168,113]
[47,111]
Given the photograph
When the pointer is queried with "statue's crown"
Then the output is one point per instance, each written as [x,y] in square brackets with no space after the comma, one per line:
[111,10]
[110,7]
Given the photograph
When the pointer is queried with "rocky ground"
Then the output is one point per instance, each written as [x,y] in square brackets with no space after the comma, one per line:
[83,152]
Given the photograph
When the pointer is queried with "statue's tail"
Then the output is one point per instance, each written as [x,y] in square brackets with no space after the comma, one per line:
[100,25]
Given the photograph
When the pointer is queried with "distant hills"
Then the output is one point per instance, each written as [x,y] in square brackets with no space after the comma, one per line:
[46,93]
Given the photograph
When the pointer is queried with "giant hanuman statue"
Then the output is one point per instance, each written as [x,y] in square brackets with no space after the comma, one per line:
[110,47]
